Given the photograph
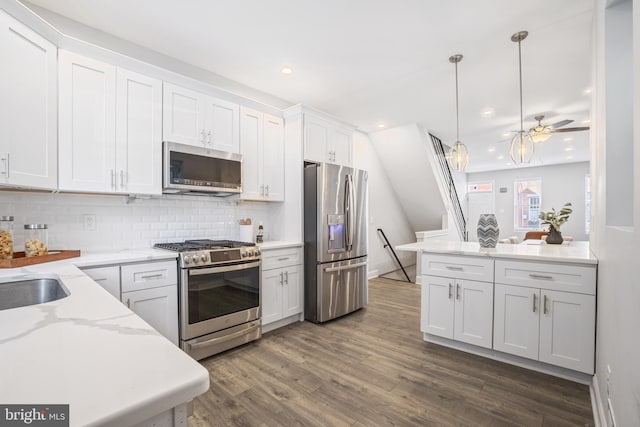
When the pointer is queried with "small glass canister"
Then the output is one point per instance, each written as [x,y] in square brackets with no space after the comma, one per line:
[6,237]
[35,239]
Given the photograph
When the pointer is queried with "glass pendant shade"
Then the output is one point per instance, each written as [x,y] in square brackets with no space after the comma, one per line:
[458,156]
[522,148]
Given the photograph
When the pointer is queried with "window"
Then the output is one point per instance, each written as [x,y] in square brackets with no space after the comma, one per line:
[587,204]
[527,201]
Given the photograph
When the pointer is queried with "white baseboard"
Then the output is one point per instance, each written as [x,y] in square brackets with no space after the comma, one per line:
[599,415]
[371,274]
[282,322]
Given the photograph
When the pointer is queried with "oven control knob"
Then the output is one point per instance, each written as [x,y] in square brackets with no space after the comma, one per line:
[203,257]
[257,252]
[244,254]
[250,252]
[187,259]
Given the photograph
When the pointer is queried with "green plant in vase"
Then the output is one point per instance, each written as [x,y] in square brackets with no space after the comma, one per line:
[555,219]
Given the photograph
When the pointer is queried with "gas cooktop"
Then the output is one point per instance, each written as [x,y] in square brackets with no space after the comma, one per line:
[201,253]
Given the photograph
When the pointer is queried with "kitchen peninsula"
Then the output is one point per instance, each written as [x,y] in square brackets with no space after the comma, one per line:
[528,305]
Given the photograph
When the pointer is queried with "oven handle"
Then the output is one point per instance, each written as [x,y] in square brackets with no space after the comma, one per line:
[223,339]
[201,271]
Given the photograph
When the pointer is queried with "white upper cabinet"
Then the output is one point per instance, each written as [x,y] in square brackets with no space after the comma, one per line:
[326,141]
[110,128]
[262,142]
[193,118]
[28,107]
[138,133]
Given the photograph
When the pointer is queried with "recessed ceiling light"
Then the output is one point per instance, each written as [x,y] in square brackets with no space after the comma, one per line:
[506,134]
[567,139]
[587,91]
[500,157]
[488,112]
[286,70]
[568,149]
[381,125]
[491,149]
[508,163]
[586,122]
[569,157]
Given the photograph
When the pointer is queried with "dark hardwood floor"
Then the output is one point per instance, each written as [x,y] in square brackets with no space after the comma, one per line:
[373,368]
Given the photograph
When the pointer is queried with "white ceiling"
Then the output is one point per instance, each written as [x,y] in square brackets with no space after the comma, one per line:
[385,62]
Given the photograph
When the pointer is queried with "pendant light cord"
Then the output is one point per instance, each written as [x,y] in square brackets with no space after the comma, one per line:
[457,112]
[520,70]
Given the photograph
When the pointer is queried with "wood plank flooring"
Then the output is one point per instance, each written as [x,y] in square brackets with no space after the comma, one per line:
[372,368]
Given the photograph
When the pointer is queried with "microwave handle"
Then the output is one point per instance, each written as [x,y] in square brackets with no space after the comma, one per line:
[214,270]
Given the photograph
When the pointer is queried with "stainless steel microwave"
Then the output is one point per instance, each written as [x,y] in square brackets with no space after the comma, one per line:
[200,170]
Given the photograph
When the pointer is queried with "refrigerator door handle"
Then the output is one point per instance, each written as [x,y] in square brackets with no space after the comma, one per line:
[345,267]
[350,203]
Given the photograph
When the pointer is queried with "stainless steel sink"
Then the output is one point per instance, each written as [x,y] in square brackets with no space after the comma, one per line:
[30,290]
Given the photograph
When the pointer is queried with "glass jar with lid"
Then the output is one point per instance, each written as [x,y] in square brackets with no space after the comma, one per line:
[35,239]
[6,237]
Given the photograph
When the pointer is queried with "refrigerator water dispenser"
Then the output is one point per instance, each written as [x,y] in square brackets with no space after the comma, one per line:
[337,239]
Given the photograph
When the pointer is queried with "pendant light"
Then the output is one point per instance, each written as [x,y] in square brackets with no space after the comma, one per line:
[522,147]
[458,156]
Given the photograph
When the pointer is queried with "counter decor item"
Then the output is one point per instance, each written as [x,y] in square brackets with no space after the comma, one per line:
[260,234]
[21,260]
[6,237]
[35,240]
[488,231]
[555,219]
[246,230]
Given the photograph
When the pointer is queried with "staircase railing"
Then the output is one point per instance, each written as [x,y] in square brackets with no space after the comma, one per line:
[458,214]
[388,245]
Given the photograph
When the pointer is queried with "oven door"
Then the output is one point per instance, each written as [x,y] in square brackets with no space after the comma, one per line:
[216,298]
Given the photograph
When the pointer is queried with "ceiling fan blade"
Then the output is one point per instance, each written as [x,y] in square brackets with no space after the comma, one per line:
[577,129]
[561,123]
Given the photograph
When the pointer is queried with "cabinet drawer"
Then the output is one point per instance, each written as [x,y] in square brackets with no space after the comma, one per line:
[277,258]
[458,267]
[148,275]
[552,276]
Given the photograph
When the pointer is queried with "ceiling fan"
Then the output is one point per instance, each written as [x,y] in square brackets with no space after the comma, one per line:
[540,132]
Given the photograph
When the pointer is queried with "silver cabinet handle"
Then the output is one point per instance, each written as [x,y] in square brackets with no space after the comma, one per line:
[457,291]
[283,259]
[450,267]
[202,134]
[266,190]
[450,290]
[281,278]
[540,277]
[209,137]
[113,178]
[6,165]
[286,277]
[151,276]
[128,302]
[534,303]
[544,304]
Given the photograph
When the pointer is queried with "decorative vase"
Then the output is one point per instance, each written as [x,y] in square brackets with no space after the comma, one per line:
[554,237]
[488,231]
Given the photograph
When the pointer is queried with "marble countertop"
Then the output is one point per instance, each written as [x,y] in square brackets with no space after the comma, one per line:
[90,351]
[574,252]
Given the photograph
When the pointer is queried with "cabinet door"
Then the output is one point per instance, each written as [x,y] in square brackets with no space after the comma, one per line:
[251,130]
[567,325]
[316,139]
[473,321]
[272,283]
[138,133]
[158,307]
[87,124]
[183,115]
[516,327]
[222,125]
[28,107]
[437,306]
[292,291]
[107,277]
[273,158]
[340,146]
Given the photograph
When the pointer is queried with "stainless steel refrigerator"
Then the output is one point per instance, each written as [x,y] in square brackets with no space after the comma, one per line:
[335,241]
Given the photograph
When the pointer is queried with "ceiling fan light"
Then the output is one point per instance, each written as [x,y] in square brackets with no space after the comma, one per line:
[522,148]
[458,156]
[539,136]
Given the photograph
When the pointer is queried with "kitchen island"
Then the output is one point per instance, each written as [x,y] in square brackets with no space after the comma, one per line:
[90,351]
[529,305]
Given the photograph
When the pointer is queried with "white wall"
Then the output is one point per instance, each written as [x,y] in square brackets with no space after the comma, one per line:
[384,210]
[122,225]
[560,184]
[617,248]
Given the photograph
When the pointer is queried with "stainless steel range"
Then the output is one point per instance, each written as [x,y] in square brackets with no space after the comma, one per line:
[219,294]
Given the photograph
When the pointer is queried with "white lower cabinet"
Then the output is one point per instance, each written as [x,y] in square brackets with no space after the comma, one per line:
[457,309]
[282,287]
[149,289]
[554,327]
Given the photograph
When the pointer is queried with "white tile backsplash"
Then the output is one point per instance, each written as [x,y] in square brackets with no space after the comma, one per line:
[125,224]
